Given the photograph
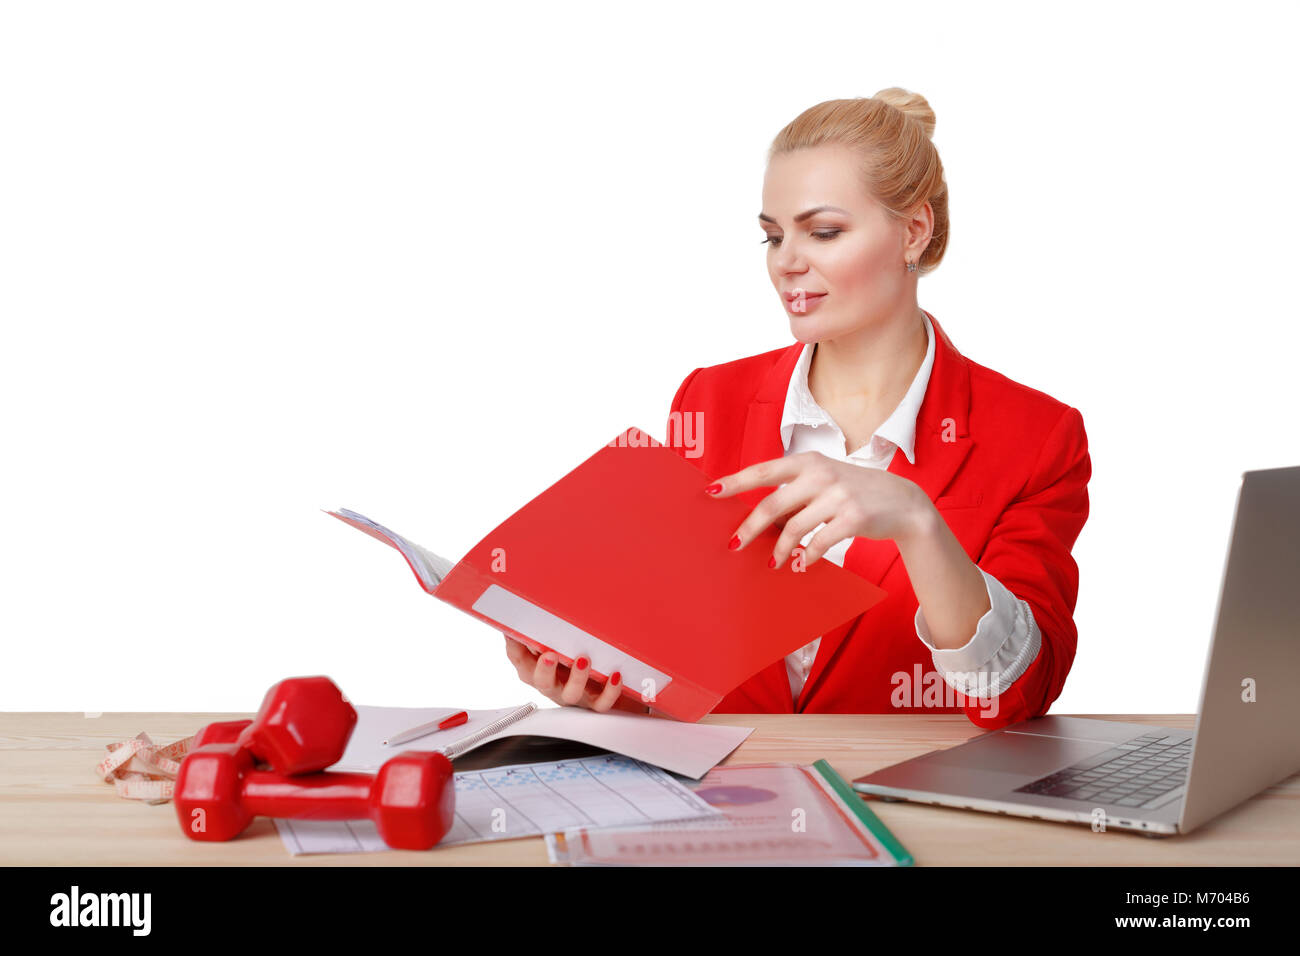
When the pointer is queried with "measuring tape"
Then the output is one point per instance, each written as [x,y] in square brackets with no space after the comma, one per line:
[141,770]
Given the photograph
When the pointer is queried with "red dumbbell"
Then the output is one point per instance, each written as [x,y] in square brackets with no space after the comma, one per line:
[411,799]
[303,726]
[219,732]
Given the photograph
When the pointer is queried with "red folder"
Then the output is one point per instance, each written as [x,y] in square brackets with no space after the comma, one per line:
[624,560]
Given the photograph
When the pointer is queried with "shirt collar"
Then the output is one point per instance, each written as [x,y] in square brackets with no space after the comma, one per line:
[899,428]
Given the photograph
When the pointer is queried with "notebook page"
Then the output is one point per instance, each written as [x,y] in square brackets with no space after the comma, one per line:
[366,752]
[688,749]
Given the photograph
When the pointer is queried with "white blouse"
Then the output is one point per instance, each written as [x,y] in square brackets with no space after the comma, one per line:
[1006,639]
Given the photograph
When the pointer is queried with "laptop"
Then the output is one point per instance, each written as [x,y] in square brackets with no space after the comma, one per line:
[1158,780]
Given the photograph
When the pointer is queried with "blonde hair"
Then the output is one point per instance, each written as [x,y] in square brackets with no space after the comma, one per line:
[900,166]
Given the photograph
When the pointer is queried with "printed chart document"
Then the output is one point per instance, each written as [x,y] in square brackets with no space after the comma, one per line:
[688,749]
[624,560]
[506,803]
[772,815]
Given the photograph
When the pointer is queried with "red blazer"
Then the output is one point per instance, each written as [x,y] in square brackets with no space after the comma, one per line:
[1007,466]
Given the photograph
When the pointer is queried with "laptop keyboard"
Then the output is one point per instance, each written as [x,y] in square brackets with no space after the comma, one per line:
[1143,771]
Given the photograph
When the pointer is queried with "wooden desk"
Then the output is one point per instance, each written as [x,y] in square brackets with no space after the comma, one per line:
[54,811]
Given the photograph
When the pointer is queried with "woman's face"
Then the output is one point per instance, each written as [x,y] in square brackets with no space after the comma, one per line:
[842,268]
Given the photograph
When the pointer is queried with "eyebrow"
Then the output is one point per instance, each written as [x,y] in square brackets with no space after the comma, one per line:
[805,214]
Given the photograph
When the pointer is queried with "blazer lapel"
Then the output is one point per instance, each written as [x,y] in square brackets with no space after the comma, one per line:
[762,438]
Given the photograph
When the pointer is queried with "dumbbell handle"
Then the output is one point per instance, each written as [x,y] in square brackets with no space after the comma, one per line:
[327,795]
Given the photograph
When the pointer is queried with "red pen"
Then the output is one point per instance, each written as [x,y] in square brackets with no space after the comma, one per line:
[455,720]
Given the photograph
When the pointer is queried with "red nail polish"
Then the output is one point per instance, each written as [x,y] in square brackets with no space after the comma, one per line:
[771,562]
[581,663]
[615,678]
[714,488]
[735,542]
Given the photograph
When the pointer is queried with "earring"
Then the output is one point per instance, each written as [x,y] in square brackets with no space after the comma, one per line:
[911,266]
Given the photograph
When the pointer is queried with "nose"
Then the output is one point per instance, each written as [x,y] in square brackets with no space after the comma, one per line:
[789,262]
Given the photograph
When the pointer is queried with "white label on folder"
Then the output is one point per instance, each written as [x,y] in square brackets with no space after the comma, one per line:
[561,636]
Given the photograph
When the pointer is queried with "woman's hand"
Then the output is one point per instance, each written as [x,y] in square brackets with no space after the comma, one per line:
[564,685]
[852,500]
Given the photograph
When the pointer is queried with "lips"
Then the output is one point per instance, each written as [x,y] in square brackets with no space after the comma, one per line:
[791,296]
[799,306]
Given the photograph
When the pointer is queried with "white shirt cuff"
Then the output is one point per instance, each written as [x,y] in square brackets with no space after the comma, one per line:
[1005,643]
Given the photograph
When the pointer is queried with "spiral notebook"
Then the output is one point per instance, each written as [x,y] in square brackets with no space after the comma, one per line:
[687,749]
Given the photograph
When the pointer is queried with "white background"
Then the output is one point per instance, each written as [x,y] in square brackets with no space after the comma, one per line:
[419,260]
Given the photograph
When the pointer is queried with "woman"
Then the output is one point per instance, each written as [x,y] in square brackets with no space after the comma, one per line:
[872,442]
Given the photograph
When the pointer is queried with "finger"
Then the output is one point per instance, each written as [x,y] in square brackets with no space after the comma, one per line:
[761,474]
[826,538]
[821,510]
[533,646]
[610,695]
[524,662]
[576,686]
[786,499]
[544,673]
[519,655]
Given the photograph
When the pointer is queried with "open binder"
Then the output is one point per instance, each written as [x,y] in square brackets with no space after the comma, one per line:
[624,560]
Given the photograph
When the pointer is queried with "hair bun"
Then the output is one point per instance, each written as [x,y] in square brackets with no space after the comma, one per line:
[912,104]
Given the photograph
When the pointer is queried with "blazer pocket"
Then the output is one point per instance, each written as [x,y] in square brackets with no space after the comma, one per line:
[953,502]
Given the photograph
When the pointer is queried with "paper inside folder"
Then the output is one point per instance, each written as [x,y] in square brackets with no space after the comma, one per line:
[429,568]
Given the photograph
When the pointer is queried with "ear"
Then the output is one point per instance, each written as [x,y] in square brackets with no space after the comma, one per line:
[920,229]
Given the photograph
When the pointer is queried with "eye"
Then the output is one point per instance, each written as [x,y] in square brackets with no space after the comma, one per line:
[824,235]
